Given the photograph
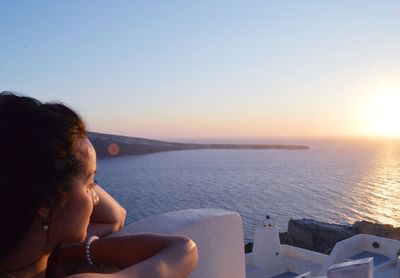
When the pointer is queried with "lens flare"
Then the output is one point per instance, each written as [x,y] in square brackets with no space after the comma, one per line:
[113,149]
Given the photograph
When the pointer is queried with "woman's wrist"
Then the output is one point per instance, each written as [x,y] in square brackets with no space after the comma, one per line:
[89,259]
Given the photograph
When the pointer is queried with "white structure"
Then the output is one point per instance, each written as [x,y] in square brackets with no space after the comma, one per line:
[354,269]
[218,235]
[384,251]
[270,258]
[219,238]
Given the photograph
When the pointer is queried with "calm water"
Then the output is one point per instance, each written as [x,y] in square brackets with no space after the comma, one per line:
[337,181]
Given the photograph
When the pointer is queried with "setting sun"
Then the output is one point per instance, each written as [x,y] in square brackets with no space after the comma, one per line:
[384,115]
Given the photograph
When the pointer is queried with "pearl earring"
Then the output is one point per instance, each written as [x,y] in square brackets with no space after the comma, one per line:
[45,228]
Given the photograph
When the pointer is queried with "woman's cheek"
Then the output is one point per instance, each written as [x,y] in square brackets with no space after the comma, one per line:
[83,208]
[84,211]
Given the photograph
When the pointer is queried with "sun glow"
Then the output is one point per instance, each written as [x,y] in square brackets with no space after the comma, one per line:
[383,116]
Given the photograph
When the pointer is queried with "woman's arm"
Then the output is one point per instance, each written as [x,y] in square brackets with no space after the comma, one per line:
[175,261]
[149,256]
[108,216]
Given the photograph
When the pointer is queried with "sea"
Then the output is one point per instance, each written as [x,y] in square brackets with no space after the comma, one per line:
[337,180]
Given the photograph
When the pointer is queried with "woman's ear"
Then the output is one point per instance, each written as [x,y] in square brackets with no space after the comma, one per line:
[44,213]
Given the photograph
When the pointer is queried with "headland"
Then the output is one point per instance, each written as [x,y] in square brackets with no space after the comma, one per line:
[108,145]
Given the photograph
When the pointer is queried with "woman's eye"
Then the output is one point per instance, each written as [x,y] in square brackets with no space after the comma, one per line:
[92,185]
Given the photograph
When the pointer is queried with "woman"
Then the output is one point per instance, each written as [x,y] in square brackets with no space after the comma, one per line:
[51,206]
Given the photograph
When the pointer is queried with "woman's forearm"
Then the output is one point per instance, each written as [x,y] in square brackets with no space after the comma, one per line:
[127,250]
[175,261]
[139,255]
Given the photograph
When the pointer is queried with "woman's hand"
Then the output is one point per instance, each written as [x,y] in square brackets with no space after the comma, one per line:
[108,215]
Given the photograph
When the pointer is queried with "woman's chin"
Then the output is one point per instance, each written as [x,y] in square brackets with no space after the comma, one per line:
[81,237]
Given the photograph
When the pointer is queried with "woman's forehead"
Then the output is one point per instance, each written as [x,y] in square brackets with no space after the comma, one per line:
[87,154]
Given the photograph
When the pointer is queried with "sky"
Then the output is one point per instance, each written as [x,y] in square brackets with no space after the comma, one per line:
[210,69]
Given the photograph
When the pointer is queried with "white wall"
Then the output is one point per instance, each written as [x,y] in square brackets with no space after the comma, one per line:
[218,235]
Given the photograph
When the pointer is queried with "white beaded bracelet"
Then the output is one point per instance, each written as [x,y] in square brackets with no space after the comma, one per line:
[87,249]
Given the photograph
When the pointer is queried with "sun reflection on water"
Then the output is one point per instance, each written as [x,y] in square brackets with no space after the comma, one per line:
[377,196]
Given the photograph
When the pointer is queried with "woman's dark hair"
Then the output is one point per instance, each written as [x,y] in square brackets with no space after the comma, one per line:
[38,159]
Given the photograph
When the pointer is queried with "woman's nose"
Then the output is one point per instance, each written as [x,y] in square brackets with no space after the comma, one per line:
[95,197]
